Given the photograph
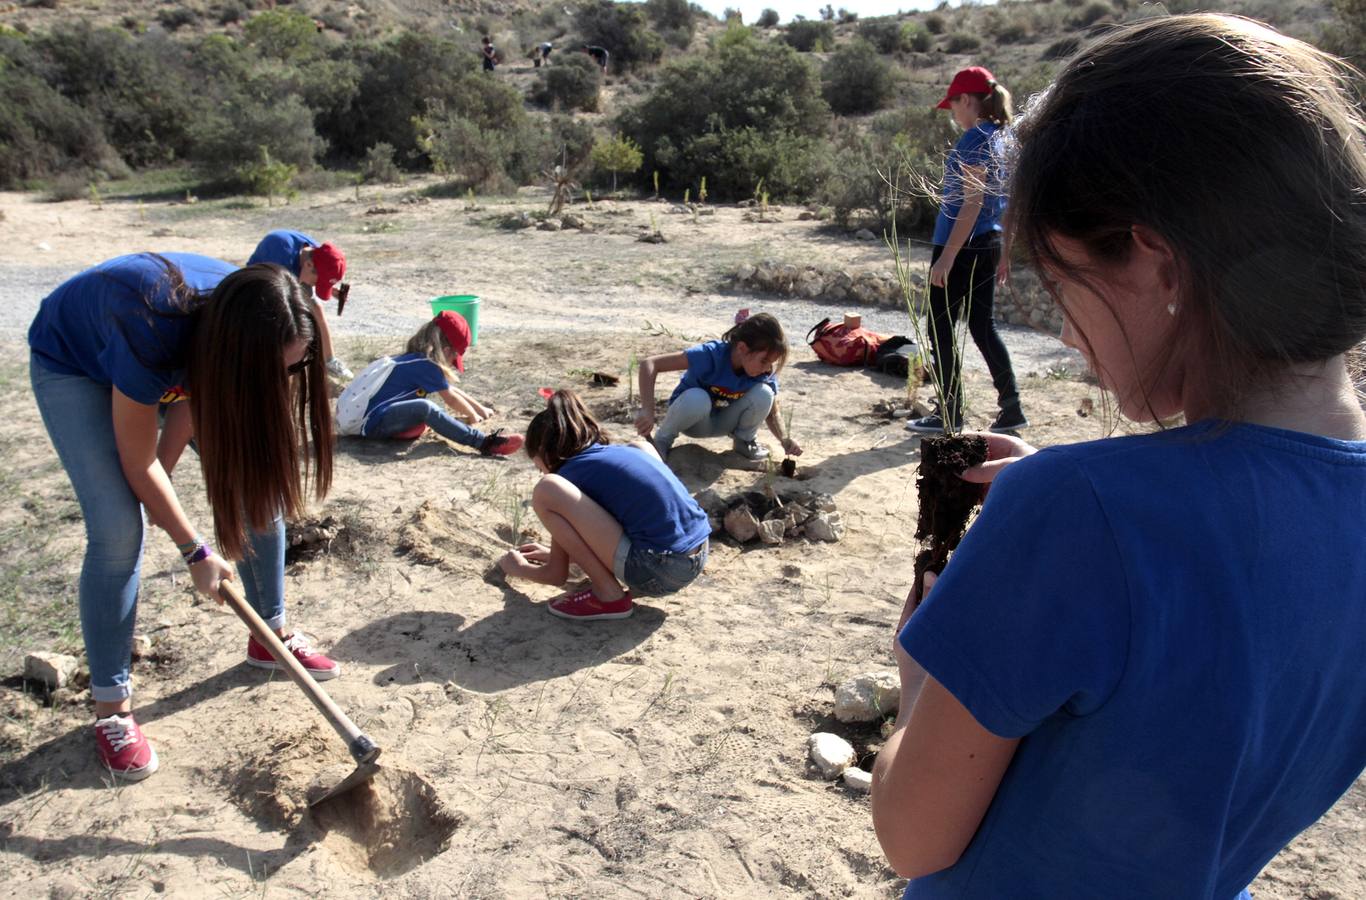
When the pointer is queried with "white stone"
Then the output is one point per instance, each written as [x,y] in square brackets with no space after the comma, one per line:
[863,234]
[741,524]
[53,669]
[831,753]
[867,697]
[771,531]
[745,272]
[142,646]
[825,527]
[857,779]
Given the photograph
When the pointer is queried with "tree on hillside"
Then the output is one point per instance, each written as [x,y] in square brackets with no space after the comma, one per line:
[747,110]
[857,80]
[623,29]
[673,19]
[617,154]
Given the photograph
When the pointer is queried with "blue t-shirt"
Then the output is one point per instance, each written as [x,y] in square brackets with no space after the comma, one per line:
[975,149]
[414,376]
[709,368]
[282,247]
[1175,625]
[654,508]
[97,323]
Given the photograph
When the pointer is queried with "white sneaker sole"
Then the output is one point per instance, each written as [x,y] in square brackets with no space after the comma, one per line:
[564,615]
[135,774]
[272,666]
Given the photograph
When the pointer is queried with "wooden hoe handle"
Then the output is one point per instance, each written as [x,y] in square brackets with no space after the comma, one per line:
[357,742]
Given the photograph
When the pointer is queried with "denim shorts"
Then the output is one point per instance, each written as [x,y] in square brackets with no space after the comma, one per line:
[653,573]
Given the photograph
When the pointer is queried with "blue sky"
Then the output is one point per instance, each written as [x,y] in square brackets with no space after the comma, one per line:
[811,8]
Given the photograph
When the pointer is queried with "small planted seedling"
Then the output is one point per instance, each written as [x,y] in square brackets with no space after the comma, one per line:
[702,191]
[656,184]
[789,465]
[631,365]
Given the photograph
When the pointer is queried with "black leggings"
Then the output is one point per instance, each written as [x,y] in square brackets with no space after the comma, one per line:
[971,283]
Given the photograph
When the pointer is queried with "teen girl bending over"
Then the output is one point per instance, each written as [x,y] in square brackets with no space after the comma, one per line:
[1144,660]
[616,510]
[728,388]
[234,358]
[390,398]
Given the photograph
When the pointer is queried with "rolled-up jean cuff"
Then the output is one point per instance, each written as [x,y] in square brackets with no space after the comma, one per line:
[112,693]
[275,623]
[619,558]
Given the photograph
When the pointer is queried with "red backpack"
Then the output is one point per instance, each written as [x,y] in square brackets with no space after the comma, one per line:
[841,345]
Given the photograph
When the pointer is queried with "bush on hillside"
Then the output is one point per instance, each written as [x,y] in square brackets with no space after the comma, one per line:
[173,18]
[1062,48]
[747,110]
[379,165]
[917,37]
[856,80]
[43,133]
[767,19]
[234,137]
[1092,13]
[673,19]
[572,83]
[884,33]
[807,36]
[962,42]
[935,23]
[623,29]
[285,34]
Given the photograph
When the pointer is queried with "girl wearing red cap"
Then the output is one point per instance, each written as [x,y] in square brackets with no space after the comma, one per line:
[967,253]
[318,266]
[390,399]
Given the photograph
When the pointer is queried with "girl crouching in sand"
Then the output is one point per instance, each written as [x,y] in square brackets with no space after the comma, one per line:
[616,510]
[390,399]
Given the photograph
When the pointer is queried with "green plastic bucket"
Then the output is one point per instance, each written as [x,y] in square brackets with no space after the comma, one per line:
[465,304]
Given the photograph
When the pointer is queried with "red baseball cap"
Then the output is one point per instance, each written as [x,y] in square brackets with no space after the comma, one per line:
[330,264]
[972,80]
[457,333]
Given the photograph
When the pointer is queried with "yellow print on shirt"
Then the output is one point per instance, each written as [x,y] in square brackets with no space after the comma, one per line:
[174,394]
[724,396]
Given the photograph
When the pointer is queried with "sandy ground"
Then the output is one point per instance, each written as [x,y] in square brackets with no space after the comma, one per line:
[660,756]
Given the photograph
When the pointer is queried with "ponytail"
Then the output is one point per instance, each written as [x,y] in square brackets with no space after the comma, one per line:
[762,332]
[562,430]
[996,106]
[431,343]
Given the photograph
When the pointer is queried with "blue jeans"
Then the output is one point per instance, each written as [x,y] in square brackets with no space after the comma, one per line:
[408,414]
[79,420]
[692,413]
[654,573]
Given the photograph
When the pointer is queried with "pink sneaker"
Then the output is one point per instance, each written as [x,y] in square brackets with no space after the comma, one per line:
[123,748]
[319,666]
[585,605]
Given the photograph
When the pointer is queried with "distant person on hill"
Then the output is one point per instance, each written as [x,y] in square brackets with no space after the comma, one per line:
[392,397]
[599,54]
[545,47]
[231,354]
[728,388]
[967,253]
[490,54]
[614,510]
[1140,674]
[318,266]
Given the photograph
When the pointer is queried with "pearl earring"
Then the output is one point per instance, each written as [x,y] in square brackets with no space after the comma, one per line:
[1171,308]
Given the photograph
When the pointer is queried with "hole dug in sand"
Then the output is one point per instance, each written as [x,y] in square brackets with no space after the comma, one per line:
[391,825]
[386,828]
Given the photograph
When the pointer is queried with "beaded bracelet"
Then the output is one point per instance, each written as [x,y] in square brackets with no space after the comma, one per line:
[201,552]
[188,546]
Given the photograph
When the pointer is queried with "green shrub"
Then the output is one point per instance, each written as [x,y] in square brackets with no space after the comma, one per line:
[69,186]
[229,13]
[1012,32]
[573,83]
[267,177]
[917,37]
[856,80]
[767,19]
[935,23]
[962,42]
[285,34]
[1091,13]
[673,19]
[617,154]
[623,29]
[379,165]
[807,36]
[483,138]
[884,33]
[233,141]
[173,18]
[748,109]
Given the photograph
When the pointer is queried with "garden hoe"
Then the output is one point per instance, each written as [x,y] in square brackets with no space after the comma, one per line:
[363,750]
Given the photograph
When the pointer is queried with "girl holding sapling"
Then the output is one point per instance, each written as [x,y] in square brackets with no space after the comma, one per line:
[967,254]
[614,510]
[1139,675]
[729,387]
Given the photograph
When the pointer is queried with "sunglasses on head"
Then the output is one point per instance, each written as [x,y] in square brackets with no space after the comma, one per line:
[303,363]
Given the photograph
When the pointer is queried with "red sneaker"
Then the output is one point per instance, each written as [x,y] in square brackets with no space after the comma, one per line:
[499,444]
[318,665]
[123,748]
[585,605]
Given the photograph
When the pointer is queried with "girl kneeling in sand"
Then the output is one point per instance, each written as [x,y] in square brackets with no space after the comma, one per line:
[728,388]
[1144,659]
[390,398]
[615,510]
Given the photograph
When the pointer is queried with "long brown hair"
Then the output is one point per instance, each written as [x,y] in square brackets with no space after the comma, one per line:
[996,106]
[563,429]
[761,332]
[431,343]
[249,414]
[1241,149]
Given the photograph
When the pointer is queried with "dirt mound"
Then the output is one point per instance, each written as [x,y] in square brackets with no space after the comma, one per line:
[433,537]
[390,826]
[273,786]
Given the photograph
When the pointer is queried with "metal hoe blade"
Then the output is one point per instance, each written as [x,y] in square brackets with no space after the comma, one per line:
[364,774]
